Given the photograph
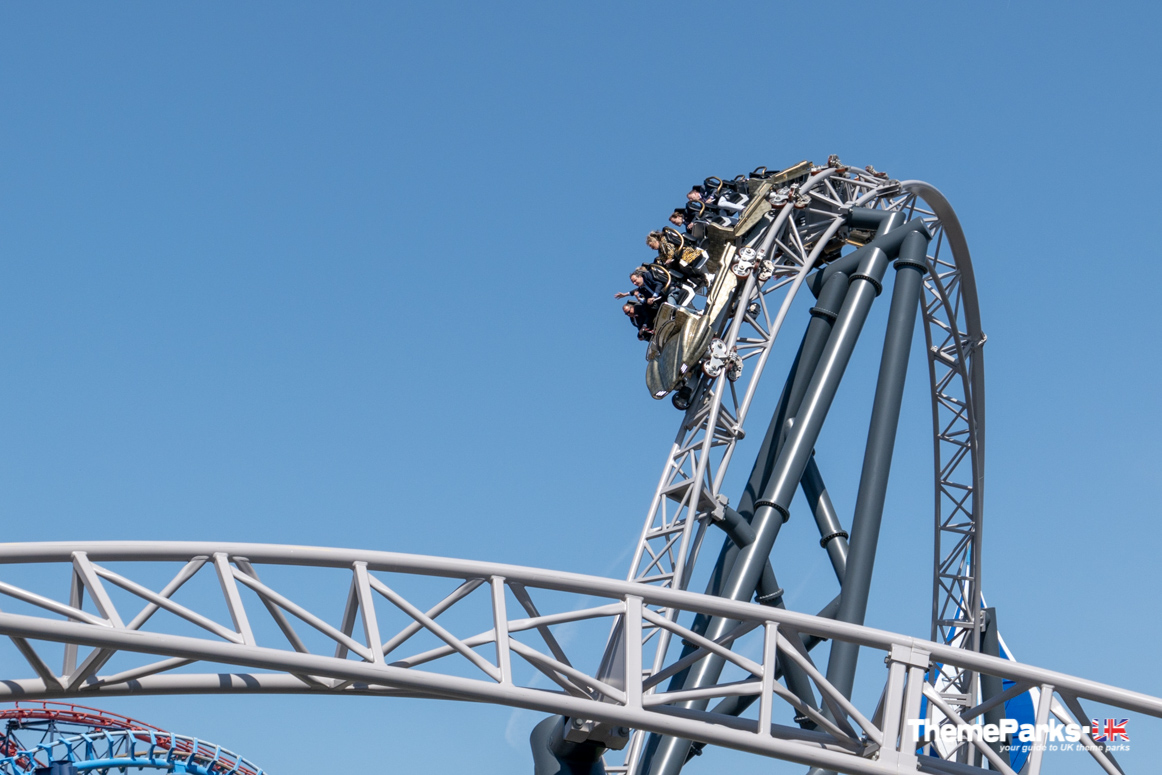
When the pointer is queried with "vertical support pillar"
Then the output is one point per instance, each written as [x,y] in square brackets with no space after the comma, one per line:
[500,627]
[766,696]
[76,600]
[913,697]
[907,667]
[877,461]
[991,685]
[1039,741]
[894,703]
[633,652]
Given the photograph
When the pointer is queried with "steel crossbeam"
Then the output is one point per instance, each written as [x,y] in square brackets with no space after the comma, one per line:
[518,611]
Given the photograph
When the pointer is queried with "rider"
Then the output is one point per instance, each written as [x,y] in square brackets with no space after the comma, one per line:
[642,316]
[666,243]
[700,194]
[648,287]
[675,255]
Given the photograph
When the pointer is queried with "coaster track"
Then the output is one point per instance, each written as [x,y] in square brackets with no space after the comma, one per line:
[74,738]
[473,631]
[799,234]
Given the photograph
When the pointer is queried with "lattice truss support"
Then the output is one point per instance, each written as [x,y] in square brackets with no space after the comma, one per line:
[689,490]
[692,476]
[144,618]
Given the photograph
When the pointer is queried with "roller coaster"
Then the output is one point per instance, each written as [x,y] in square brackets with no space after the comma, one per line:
[49,738]
[138,618]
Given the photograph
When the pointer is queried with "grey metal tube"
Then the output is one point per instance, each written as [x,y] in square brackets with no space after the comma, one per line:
[670,753]
[889,242]
[740,532]
[823,317]
[863,217]
[554,755]
[823,314]
[768,593]
[765,458]
[736,526]
[815,338]
[831,535]
[877,460]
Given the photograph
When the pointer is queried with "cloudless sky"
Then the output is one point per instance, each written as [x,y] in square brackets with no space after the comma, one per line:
[341,274]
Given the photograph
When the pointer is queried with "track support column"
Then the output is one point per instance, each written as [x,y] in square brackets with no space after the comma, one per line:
[877,460]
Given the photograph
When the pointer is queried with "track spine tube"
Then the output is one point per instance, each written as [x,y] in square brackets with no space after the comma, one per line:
[877,460]
[803,367]
[887,241]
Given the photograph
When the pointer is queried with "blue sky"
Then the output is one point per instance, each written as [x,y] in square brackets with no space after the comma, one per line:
[341,274]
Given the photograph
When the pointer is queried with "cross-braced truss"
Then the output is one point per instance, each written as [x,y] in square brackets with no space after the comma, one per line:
[415,626]
[693,473]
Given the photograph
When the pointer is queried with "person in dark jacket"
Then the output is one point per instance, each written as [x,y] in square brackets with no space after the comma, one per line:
[642,316]
[701,194]
[649,289]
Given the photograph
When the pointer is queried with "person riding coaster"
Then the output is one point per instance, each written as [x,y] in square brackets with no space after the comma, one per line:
[650,286]
[656,283]
[680,285]
[683,335]
[642,316]
[676,254]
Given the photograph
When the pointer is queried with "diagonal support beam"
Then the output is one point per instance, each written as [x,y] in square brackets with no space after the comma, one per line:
[233,599]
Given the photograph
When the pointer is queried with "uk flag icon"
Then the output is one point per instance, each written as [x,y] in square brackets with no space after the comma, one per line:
[1109,730]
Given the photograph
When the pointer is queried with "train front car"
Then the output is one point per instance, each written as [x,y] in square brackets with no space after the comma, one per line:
[727,234]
